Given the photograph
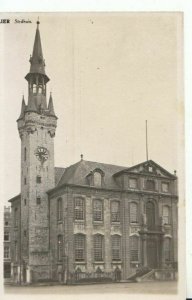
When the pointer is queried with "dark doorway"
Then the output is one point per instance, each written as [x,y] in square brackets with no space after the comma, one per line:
[152,253]
[150,214]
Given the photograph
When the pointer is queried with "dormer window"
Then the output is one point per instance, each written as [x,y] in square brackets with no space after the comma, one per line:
[97,180]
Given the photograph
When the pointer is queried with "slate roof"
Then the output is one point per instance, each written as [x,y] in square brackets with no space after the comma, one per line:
[77,173]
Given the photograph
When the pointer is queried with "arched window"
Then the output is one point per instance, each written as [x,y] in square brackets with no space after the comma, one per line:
[116,247]
[150,214]
[166,214]
[97,210]
[167,249]
[59,247]
[97,179]
[59,209]
[79,209]
[133,212]
[98,247]
[79,247]
[134,248]
[115,211]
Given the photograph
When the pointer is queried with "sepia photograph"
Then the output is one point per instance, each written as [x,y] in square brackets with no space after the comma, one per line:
[93,152]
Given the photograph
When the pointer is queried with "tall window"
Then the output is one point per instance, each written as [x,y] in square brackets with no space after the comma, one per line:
[38,179]
[59,209]
[134,248]
[167,249]
[16,217]
[98,247]
[97,210]
[150,214]
[116,247]
[16,251]
[166,214]
[6,236]
[79,247]
[133,212]
[25,154]
[59,247]
[150,185]
[79,209]
[115,211]
[6,252]
[133,183]
[97,179]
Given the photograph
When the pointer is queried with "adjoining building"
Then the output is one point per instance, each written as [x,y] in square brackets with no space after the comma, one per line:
[91,221]
[7,242]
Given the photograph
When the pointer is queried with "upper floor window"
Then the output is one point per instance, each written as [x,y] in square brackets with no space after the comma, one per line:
[6,252]
[97,210]
[133,183]
[116,247]
[97,179]
[165,187]
[16,251]
[6,236]
[79,247]
[79,209]
[59,209]
[98,247]
[166,214]
[115,211]
[133,212]
[6,223]
[150,184]
[134,248]
[38,200]
[59,247]
[25,180]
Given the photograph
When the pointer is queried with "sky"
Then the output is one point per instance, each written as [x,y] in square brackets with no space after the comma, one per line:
[109,72]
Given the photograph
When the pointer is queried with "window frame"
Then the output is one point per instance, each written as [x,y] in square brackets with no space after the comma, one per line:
[134,251]
[136,181]
[168,186]
[97,211]
[116,213]
[166,217]
[6,251]
[80,251]
[59,247]
[147,186]
[79,214]
[59,209]
[116,248]
[98,251]
[131,213]
[6,236]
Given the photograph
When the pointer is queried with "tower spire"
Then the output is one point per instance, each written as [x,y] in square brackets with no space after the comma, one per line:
[51,107]
[23,107]
[37,61]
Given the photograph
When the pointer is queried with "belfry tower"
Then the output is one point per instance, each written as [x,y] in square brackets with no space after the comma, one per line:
[36,124]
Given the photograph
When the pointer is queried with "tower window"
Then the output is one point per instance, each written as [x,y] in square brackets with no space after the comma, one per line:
[6,236]
[34,89]
[38,179]
[25,180]
[25,201]
[25,233]
[38,200]
[25,154]
[59,209]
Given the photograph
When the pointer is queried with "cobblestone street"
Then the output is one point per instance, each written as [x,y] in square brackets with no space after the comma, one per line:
[125,288]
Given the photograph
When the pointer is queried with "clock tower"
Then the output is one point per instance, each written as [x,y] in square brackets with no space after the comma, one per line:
[36,124]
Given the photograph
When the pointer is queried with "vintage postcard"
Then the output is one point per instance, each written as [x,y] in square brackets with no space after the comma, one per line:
[93,154]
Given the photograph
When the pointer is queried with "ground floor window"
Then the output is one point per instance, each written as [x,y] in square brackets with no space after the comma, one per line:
[134,248]
[79,247]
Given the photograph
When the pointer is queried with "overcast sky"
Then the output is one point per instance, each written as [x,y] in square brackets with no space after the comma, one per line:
[108,74]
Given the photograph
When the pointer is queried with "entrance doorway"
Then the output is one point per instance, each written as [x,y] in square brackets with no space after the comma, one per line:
[152,260]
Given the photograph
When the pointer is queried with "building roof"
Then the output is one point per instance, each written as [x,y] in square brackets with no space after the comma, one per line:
[77,173]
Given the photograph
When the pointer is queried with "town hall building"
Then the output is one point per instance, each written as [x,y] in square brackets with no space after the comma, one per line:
[90,221]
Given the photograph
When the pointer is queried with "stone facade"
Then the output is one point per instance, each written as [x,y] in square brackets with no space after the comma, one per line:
[91,220]
[7,242]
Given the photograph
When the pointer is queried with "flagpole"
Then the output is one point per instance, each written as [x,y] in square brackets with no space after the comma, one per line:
[146,141]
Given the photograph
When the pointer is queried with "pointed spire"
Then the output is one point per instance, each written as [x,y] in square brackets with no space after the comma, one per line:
[23,108]
[51,107]
[37,60]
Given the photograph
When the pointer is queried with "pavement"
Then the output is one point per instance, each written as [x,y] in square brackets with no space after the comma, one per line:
[152,287]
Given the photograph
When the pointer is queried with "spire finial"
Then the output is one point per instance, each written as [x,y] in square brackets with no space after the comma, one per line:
[81,156]
[38,22]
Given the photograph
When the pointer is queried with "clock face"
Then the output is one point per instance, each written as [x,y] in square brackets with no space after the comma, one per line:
[41,153]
